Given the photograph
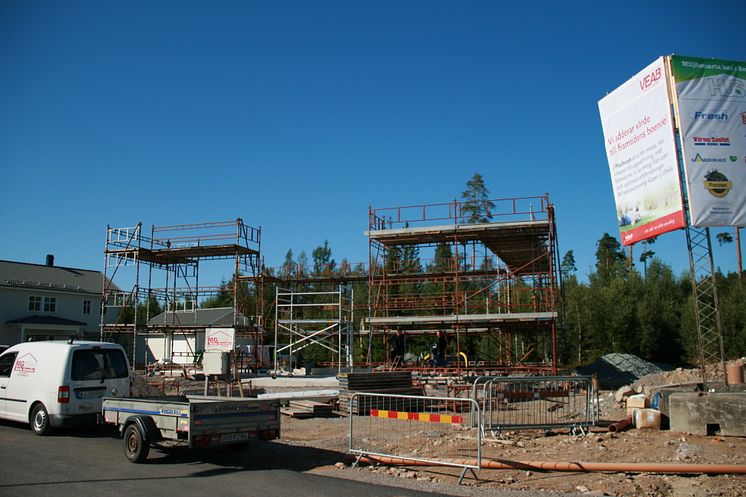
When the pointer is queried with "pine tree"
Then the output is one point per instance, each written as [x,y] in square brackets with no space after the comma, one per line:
[476,208]
[322,259]
[567,267]
[609,258]
[287,266]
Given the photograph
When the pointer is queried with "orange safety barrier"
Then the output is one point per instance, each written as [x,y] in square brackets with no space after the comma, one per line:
[417,416]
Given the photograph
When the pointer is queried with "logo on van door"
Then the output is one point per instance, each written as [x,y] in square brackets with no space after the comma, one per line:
[25,365]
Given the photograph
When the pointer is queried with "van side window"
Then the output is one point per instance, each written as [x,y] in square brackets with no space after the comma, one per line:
[98,364]
[6,364]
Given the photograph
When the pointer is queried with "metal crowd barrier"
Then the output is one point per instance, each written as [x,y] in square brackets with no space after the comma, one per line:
[538,402]
[427,429]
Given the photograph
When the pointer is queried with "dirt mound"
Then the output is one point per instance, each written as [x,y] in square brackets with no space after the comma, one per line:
[141,388]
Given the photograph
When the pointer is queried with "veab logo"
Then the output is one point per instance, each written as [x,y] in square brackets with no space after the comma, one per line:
[650,79]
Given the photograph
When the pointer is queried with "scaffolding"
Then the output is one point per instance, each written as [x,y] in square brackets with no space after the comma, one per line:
[314,318]
[163,270]
[494,276]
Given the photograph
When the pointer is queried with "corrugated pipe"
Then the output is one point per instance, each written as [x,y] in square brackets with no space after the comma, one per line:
[583,467]
[620,425]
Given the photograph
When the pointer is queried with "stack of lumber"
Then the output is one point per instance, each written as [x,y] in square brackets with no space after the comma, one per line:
[307,409]
[389,382]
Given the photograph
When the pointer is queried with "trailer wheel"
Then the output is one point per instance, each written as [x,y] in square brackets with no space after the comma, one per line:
[136,448]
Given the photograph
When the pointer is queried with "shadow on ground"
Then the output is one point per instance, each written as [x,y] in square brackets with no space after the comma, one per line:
[258,455]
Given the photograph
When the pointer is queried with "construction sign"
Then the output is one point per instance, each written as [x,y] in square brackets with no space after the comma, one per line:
[711,113]
[641,151]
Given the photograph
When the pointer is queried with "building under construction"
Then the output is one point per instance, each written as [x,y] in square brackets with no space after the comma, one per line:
[486,275]
[156,283]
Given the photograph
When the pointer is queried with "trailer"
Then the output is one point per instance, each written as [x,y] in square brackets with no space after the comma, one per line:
[192,421]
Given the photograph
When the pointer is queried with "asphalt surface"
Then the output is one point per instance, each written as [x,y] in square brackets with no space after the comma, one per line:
[91,462]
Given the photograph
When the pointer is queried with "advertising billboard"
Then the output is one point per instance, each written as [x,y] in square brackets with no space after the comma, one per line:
[641,151]
[711,111]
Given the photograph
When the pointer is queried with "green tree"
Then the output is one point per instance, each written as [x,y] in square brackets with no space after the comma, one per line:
[443,258]
[648,254]
[288,265]
[732,297]
[609,258]
[724,238]
[659,315]
[567,267]
[223,298]
[322,259]
[302,264]
[410,259]
[476,206]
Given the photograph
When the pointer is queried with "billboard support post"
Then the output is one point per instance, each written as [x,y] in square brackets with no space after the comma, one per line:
[706,308]
[710,343]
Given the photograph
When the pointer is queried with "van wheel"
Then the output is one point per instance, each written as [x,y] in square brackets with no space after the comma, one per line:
[136,448]
[40,420]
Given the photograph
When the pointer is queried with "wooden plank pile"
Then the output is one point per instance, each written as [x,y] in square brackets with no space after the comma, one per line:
[303,409]
[389,382]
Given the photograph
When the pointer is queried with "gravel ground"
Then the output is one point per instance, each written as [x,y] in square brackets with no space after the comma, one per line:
[319,445]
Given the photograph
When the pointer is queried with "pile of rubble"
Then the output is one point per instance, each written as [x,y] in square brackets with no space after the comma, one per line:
[616,370]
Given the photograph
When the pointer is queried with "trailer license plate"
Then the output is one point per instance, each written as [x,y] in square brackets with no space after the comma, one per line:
[234,437]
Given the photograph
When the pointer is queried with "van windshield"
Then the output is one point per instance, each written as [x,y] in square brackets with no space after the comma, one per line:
[98,364]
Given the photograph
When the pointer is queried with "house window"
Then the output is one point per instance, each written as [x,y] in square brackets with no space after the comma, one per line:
[86,307]
[50,304]
[34,303]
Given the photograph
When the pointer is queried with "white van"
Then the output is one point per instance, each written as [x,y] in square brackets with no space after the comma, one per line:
[60,383]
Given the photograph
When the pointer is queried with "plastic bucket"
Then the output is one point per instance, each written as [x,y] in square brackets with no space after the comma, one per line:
[735,374]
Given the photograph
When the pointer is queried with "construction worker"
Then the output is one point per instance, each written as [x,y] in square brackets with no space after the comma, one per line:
[440,349]
[397,348]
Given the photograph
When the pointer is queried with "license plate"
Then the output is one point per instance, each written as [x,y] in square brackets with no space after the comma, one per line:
[89,394]
[234,437]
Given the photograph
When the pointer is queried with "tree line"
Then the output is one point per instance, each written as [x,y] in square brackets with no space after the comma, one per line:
[649,314]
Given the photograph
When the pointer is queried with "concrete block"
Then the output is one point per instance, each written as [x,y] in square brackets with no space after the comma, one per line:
[708,414]
[666,392]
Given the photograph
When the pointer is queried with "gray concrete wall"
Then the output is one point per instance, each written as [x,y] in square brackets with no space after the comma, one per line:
[708,414]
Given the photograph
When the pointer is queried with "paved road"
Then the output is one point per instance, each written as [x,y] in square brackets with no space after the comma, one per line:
[91,463]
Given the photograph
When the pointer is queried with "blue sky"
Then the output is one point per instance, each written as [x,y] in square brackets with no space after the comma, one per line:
[296,116]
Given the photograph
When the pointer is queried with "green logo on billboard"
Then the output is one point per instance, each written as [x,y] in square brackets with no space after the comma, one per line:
[733,158]
[717,183]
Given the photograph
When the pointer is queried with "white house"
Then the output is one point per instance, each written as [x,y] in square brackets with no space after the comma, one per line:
[44,301]
[179,336]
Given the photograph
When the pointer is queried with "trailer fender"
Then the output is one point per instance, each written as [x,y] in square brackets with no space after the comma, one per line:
[147,426]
